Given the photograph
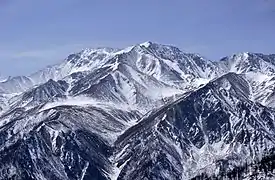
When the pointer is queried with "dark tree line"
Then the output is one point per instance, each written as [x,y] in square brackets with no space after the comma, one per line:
[260,169]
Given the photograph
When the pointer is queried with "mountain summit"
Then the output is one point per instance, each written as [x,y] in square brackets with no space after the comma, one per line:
[149,111]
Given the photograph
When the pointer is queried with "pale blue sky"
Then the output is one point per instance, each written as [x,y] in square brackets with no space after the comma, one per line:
[36,33]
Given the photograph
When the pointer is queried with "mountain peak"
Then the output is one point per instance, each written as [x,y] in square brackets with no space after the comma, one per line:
[155,45]
[104,50]
[146,44]
[248,61]
[182,113]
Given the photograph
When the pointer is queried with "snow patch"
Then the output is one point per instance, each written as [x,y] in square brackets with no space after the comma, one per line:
[146,44]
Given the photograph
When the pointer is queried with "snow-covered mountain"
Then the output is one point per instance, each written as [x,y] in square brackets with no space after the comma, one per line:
[149,111]
[216,123]
[141,75]
[259,70]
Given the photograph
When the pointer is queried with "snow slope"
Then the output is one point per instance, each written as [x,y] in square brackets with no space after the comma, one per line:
[149,111]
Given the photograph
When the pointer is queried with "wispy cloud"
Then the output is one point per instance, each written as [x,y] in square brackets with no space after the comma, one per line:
[43,53]
[29,60]
[34,54]
[54,51]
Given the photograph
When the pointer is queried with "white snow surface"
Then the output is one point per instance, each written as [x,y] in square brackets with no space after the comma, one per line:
[86,101]
[159,74]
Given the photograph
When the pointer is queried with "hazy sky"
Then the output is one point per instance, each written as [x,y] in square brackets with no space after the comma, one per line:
[35,33]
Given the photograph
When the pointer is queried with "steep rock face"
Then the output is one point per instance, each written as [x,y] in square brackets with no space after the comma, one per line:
[15,84]
[211,130]
[258,169]
[259,70]
[31,158]
[149,111]
[60,142]
[121,84]
[44,93]
[2,102]
[244,62]
[166,64]
[141,74]
[170,65]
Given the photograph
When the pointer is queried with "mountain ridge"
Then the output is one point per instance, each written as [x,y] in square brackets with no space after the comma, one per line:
[149,111]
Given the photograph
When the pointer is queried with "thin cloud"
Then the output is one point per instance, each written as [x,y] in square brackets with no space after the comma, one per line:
[34,54]
[53,52]
[57,51]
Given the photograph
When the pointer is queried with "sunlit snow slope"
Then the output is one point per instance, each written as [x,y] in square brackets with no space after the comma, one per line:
[149,111]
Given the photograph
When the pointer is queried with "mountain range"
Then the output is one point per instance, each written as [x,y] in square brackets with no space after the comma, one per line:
[149,111]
